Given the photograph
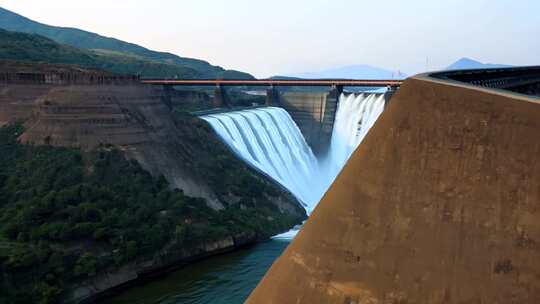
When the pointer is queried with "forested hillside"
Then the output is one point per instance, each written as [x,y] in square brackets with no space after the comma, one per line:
[31,47]
[66,216]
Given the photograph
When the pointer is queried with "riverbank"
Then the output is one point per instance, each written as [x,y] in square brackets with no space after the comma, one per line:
[108,284]
[224,279]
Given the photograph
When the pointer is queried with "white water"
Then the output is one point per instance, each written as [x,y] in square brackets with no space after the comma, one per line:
[355,115]
[269,140]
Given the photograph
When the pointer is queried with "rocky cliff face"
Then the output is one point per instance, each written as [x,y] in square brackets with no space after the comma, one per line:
[132,118]
[439,204]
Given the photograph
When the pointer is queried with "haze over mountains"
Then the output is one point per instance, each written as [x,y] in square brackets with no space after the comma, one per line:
[360,71]
[132,58]
[74,46]
[364,71]
[467,63]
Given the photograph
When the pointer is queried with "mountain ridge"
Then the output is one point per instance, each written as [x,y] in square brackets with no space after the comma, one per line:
[468,63]
[17,46]
[82,39]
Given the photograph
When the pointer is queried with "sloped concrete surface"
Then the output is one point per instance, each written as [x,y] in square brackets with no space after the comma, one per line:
[439,204]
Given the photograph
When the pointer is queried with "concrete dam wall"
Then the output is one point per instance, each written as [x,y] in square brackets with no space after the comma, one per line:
[269,140]
[439,204]
[314,113]
[313,110]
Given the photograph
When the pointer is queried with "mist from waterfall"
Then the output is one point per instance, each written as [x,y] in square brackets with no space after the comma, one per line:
[270,141]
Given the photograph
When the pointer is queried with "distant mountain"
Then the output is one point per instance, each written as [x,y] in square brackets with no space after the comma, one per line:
[467,63]
[114,47]
[352,72]
[277,77]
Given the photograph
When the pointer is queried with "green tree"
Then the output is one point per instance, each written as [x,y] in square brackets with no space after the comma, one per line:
[86,265]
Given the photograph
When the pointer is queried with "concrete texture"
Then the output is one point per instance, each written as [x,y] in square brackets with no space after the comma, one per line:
[314,114]
[439,204]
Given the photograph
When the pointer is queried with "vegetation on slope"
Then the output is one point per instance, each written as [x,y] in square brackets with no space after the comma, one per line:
[67,215]
[86,40]
[29,47]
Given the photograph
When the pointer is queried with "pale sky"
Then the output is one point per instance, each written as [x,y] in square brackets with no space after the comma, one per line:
[267,38]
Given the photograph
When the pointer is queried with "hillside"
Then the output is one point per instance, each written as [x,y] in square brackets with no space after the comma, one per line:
[467,63]
[32,47]
[141,58]
[67,217]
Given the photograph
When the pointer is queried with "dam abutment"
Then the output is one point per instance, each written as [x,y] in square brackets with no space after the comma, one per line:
[439,204]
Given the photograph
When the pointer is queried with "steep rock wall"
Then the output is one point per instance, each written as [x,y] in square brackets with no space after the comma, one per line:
[132,118]
[439,204]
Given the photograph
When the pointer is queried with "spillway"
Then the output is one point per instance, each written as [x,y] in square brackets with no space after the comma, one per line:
[269,140]
[355,115]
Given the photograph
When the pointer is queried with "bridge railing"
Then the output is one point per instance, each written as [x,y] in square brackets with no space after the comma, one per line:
[499,78]
[273,82]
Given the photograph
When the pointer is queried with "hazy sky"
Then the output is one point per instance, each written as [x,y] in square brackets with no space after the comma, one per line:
[284,36]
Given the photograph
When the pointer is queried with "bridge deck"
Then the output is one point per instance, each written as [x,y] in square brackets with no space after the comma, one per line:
[271,82]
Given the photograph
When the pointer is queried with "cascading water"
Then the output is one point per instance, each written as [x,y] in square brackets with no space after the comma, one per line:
[355,115]
[269,140]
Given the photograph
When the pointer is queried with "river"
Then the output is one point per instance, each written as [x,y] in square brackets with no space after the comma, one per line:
[225,279]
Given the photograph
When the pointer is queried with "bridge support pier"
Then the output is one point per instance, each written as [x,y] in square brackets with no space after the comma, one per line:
[328,115]
[272,96]
[220,97]
[167,96]
[335,93]
[332,101]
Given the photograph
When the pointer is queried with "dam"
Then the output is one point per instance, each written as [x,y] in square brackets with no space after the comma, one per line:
[269,153]
[312,104]
[299,138]
[269,139]
[452,161]
[439,204]
[302,139]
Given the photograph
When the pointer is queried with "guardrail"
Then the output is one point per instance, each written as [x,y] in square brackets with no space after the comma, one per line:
[499,78]
[272,82]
